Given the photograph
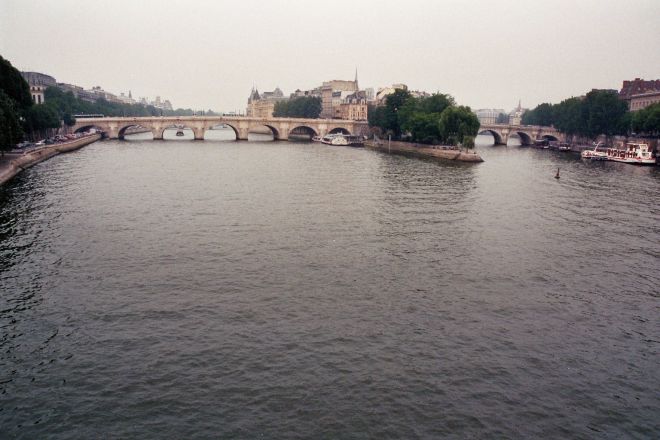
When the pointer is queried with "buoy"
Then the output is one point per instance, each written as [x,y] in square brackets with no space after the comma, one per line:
[557,175]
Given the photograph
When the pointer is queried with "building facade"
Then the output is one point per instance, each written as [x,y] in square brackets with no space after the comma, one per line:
[643,100]
[332,94]
[354,107]
[263,105]
[38,83]
[640,93]
[489,115]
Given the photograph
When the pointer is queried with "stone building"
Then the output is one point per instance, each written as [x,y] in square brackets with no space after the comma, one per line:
[38,83]
[332,95]
[489,115]
[353,107]
[383,92]
[263,105]
[640,93]
[643,100]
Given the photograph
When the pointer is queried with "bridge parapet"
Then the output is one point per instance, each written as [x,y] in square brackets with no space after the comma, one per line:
[114,127]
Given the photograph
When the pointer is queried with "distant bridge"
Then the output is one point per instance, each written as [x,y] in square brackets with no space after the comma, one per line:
[115,127]
[527,133]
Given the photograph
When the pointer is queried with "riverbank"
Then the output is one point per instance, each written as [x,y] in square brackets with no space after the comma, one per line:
[441,152]
[13,163]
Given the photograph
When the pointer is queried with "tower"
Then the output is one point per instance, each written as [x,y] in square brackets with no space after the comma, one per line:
[356,80]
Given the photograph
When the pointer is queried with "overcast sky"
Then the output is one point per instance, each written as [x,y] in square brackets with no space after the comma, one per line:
[208,54]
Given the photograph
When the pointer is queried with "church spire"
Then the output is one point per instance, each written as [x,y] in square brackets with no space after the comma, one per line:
[356,79]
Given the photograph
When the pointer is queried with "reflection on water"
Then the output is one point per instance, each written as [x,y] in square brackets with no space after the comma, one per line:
[180,289]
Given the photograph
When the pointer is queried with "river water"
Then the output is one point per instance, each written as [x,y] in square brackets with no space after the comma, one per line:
[181,289]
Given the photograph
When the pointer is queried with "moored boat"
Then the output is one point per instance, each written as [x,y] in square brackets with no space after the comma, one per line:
[564,147]
[594,154]
[343,140]
[634,153]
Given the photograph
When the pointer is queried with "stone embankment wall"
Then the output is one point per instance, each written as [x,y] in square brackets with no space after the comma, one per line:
[442,152]
[26,160]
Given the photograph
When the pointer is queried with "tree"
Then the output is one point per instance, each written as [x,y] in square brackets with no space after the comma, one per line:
[468,142]
[647,120]
[503,118]
[300,107]
[571,116]
[40,118]
[10,125]
[605,110]
[393,103]
[423,127]
[456,123]
[377,116]
[542,114]
[14,86]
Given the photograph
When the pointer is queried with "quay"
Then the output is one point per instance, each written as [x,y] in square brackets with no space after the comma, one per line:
[12,163]
[440,152]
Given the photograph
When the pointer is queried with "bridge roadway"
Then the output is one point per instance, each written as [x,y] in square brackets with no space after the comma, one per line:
[527,133]
[115,127]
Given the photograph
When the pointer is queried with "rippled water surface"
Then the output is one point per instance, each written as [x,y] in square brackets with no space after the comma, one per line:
[180,289]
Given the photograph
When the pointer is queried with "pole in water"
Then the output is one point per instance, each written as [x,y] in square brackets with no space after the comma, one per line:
[557,175]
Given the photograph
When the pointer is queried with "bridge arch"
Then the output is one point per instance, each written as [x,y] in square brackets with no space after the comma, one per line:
[339,130]
[177,126]
[253,129]
[550,137]
[303,130]
[525,139]
[222,125]
[87,128]
[121,133]
[496,136]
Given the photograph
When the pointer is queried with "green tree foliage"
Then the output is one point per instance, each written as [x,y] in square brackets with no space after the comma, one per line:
[423,127]
[605,111]
[393,103]
[570,116]
[431,119]
[502,118]
[11,131]
[543,115]
[377,116]
[40,118]
[13,84]
[456,123]
[15,101]
[300,107]
[647,120]
[599,112]
[468,142]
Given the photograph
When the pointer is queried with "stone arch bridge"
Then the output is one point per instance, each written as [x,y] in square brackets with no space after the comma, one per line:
[115,127]
[527,133]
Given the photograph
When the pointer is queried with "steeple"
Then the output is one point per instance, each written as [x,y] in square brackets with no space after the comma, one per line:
[356,80]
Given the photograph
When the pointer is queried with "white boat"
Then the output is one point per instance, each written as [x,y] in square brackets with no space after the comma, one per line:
[343,140]
[564,147]
[316,139]
[594,154]
[635,153]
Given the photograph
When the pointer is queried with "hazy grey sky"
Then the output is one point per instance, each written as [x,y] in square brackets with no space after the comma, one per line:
[208,54]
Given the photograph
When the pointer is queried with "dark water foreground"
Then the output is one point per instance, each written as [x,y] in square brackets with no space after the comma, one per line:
[278,290]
